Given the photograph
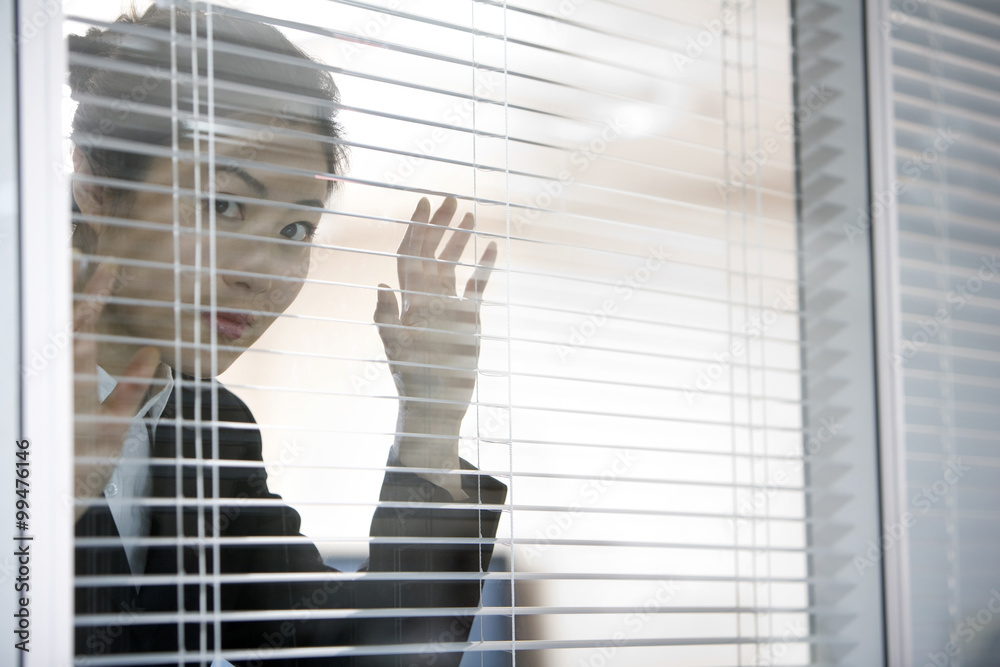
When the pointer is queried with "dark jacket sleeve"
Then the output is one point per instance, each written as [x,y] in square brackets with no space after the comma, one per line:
[460,545]
[417,530]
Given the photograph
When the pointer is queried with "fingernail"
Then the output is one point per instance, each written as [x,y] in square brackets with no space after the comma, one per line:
[82,264]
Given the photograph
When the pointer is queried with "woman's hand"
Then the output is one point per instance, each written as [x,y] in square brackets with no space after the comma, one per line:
[100,428]
[432,344]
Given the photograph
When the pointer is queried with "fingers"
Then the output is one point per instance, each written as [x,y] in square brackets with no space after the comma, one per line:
[422,237]
[386,309]
[456,244]
[477,283]
[416,252]
[440,222]
[454,248]
[386,313]
[423,211]
[421,214]
[407,264]
[85,376]
[86,312]
[85,315]
[127,396]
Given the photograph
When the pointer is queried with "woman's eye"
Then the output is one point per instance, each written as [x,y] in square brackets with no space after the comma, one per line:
[298,231]
[227,208]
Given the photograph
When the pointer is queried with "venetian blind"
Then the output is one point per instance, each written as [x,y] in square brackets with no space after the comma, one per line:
[639,381]
[946,64]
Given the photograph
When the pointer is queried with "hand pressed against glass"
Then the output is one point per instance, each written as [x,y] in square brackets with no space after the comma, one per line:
[433,343]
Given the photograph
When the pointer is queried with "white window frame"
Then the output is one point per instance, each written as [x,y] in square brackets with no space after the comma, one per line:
[884,228]
[45,276]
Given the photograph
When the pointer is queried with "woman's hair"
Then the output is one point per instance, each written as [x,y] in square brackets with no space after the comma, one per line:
[131,78]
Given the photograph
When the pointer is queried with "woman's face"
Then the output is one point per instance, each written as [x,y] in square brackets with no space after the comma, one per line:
[262,246]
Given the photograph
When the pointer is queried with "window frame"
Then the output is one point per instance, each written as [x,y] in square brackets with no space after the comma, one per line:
[888,329]
[45,267]
[837,256]
[45,274]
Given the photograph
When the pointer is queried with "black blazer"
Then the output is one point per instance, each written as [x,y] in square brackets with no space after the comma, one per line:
[118,619]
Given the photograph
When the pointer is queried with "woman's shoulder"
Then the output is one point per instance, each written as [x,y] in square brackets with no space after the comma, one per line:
[231,408]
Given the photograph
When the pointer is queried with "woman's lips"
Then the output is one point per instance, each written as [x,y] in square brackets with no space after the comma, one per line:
[231,326]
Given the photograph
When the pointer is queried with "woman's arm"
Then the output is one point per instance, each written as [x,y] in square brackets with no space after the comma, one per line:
[432,342]
[100,429]
[443,510]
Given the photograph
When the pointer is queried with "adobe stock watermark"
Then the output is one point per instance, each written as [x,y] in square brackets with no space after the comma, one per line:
[493,425]
[967,630]
[484,84]
[100,639]
[590,494]
[40,358]
[97,479]
[913,170]
[775,652]
[371,29]
[925,501]
[713,30]
[315,600]
[624,290]
[930,327]
[425,316]
[567,8]
[635,621]
[580,160]
[755,328]
[431,652]
[34,23]
[374,369]
[121,109]
[750,508]
[783,129]
[899,15]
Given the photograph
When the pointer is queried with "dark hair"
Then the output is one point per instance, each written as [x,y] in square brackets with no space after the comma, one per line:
[122,78]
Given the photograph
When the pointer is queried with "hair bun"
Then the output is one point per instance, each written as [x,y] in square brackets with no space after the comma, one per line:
[96,43]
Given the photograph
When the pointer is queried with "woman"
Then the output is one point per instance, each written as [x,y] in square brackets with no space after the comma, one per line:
[184,260]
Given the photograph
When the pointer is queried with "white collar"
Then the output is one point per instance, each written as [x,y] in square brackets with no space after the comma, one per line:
[129,482]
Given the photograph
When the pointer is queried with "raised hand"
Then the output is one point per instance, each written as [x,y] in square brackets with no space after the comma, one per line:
[100,428]
[432,342]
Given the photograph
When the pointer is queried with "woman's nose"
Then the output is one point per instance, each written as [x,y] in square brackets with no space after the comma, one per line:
[252,283]
[248,267]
